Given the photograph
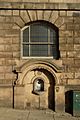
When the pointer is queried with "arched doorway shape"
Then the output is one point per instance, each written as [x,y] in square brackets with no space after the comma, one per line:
[43,70]
[37,64]
[42,95]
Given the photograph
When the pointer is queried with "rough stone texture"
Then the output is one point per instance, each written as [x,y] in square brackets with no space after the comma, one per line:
[11,23]
[6,96]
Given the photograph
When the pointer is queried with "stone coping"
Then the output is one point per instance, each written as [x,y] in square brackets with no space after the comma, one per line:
[39,6]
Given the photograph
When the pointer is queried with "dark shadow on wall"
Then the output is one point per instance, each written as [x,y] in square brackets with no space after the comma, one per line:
[69,102]
[51,96]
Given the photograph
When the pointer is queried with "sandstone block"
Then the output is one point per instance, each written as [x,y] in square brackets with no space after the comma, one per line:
[15,12]
[63,54]
[76,47]
[63,13]
[6,12]
[77,62]
[76,40]
[68,61]
[66,33]
[77,75]
[70,40]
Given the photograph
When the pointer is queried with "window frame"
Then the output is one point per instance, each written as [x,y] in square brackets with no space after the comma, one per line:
[29,57]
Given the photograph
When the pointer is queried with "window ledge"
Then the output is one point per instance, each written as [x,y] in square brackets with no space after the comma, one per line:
[38,92]
[37,57]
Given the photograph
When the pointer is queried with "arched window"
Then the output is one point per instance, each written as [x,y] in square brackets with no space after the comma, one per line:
[40,39]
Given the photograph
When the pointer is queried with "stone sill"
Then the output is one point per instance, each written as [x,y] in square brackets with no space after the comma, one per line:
[38,92]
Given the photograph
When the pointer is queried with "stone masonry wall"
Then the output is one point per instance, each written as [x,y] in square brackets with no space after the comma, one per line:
[14,16]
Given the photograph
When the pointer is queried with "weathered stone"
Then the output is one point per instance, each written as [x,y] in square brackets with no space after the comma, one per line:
[25,16]
[15,12]
[68,61]
[66,33]
[16,54]
[9,19]
[40,15]
[2,69]
[69,40]
[8,67]
[71,54]
[15,47]
[77,54]
[6,12]
[11,33]
[68,75]
[1,47]
[76,47]
[15,40]
[8,48]
[70,13]
[6,25]
[59,22]
[10,61]
[62,27]
[12,20]
[73,68]
[5,54]
[7,40]
[66,47]
[62,40]
[77,75]
[54,16]
[2,61]
[63,13]
[77,19]
[62,47]
[2,18]
[19,21]
[51,6]
[68,20]
[1,76]
[77,61]
[77,33]
[6,96]
[70,26]
[32,15]
[63,54]
[47,15]
[43,1]
[69,47]
[73,81]
[76,40]
[10,76]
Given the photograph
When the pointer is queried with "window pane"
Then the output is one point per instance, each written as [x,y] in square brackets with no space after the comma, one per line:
[52,36]
[26,35]
[53,51]
[25,50]
[39,50]
[38,33]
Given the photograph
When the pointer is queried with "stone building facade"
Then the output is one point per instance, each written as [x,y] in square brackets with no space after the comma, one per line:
[57,76]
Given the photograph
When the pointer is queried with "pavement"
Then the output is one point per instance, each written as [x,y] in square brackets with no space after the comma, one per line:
[16,114]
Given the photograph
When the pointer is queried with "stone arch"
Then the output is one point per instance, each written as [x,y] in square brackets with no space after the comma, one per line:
[27,16]
[29,65]
[38,64]
[48,75]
